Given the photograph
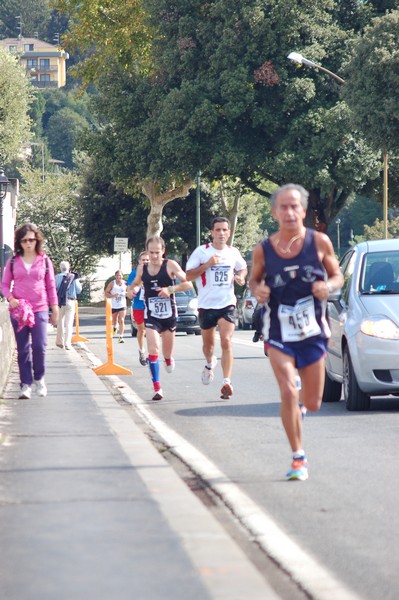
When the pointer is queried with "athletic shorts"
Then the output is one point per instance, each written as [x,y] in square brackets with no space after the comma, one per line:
[116,310]
[305,352]
[161,325]
[209,317]
[138,315]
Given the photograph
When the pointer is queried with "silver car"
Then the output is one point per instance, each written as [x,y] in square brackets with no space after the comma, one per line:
[363,353]
[245,309]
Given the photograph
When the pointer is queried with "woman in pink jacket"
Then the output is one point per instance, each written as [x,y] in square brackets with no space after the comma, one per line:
[28,283]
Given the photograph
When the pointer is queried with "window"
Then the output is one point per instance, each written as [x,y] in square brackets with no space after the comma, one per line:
[44,63]
[12,48]
[45,77]
[31,63]
[28,47]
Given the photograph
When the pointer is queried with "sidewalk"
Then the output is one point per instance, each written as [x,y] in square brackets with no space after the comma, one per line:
[89,509]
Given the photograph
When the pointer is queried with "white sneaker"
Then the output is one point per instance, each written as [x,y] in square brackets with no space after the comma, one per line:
[26,392]
[41,388]
[208,374]
[171,366]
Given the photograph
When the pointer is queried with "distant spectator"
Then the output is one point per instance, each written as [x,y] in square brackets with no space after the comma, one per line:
[68,288]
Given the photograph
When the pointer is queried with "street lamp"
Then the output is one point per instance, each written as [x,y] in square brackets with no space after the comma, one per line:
[197,209]
[338,222]
[4,181]
[298,58]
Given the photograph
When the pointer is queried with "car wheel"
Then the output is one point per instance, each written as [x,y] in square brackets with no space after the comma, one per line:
[332,390]
[354,397]
[246,325]
[197,332]
[134,332]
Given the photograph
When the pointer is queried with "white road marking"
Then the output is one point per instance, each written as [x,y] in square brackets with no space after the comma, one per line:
[314,578]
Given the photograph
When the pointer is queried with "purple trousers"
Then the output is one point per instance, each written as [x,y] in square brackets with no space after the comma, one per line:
[31,348]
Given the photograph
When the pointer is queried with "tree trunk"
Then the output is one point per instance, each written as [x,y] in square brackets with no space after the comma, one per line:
[322,209]
[159,199]
[231,214]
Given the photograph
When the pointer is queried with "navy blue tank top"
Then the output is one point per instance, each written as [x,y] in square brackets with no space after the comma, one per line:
[293,314]
[156,307]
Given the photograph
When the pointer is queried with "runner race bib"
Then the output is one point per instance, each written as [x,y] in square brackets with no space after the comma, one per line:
[160,308]
[298,322]
[220,275]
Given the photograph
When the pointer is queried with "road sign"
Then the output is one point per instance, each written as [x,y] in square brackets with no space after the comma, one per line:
[120,244]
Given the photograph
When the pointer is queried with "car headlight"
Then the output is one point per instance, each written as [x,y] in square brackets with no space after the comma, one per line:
[381,327]
[193,304]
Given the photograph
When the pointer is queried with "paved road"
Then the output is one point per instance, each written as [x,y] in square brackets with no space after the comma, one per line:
[345,516]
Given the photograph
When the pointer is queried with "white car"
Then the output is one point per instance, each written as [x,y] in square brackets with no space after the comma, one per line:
[363,352]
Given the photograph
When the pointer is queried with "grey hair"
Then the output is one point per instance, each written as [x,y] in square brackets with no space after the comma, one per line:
[64,266]
[287,187]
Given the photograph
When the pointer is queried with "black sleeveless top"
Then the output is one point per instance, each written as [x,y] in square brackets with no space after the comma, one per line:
[293,313]
[156,307]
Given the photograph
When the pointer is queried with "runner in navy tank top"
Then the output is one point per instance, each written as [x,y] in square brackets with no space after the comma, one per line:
[158,278]
[293,272]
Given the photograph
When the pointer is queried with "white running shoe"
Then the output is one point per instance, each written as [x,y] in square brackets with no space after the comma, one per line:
[158,395]
[171,366]
[26,392]
[41,388]
[208,374]
[226,391]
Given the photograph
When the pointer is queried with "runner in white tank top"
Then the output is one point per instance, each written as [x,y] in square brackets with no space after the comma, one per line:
[116,291]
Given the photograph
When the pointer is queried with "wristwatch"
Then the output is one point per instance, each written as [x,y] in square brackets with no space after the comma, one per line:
[171,289]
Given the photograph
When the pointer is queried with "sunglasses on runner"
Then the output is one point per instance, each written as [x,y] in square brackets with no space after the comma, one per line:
[28,240]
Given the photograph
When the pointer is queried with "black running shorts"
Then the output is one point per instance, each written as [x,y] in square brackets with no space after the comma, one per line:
[209,317]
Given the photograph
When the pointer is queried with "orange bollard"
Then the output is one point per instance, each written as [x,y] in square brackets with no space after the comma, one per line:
[77,337]
[110,368]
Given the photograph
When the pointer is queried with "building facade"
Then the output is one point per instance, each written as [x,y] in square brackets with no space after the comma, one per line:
[45,64]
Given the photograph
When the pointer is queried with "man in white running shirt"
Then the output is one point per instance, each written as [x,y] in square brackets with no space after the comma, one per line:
[215,267]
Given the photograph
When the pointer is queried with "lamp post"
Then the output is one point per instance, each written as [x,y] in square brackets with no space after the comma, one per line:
[298,58]
[3,191]
[338,222]
[197,209]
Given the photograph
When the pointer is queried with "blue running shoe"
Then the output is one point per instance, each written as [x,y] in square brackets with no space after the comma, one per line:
[299,469]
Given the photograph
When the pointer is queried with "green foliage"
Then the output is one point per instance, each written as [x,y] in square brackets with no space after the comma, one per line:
[224,98]
[34,16]
[15,97]
[372,82]
[360,211]
[376,231]
[108,212]
[55,207]
[62,131]
[106,33]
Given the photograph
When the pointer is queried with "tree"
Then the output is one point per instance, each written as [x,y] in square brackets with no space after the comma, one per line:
[106,32]
[372,80]
[108,212]
[224,99]
[55,207]
[34,16]
[15,97]
[62,131]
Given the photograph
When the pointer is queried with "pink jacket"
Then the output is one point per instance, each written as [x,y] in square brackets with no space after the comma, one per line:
[36,286]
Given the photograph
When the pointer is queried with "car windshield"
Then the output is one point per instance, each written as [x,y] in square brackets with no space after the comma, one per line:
[190,293]
[380,273]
